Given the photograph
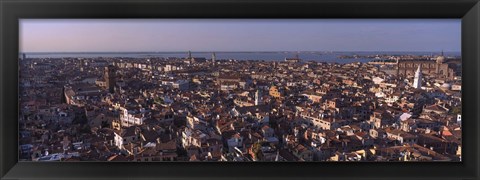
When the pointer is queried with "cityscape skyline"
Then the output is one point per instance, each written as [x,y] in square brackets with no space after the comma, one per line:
[307,104]
[183,108]
[167,35]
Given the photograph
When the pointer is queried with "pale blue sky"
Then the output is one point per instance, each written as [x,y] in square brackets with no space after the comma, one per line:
[48,35]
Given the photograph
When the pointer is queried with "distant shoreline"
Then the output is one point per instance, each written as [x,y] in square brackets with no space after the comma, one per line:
[168,52]
[318,56]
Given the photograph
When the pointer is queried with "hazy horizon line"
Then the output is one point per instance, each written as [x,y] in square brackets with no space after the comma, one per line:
[240,51]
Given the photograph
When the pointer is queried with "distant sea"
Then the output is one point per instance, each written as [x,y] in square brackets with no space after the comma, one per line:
[319,56]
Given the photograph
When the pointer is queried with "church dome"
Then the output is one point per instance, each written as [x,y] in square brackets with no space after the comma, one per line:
[440,59]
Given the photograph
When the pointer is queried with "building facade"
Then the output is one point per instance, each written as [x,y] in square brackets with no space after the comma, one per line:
[438,68]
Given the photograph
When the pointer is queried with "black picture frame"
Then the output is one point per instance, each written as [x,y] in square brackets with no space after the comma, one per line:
[13,10]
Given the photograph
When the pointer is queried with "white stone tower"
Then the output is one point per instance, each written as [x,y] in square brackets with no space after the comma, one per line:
[258,98]
[417,82]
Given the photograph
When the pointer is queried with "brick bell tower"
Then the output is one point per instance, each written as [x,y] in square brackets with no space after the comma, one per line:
[110,78]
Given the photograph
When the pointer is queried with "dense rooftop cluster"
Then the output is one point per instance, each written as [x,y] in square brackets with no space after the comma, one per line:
[198,109]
